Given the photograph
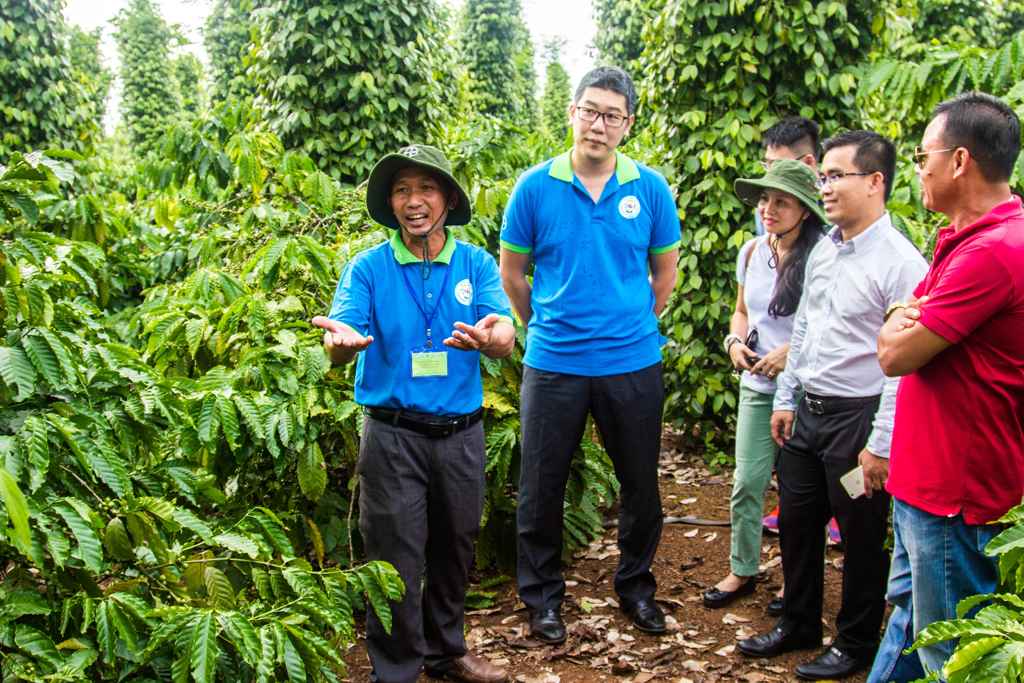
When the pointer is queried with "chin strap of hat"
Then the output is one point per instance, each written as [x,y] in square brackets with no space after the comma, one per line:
[426,265]
[773,260]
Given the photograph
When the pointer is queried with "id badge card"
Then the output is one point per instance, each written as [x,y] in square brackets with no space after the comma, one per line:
[429,361]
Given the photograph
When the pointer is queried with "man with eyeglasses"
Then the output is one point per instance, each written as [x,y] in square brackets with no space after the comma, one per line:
[603,234]
[957,449]
[843,407]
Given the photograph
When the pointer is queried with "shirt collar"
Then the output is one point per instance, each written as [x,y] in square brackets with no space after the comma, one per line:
[996,216]
[874,232]
[404,256]
[625,168]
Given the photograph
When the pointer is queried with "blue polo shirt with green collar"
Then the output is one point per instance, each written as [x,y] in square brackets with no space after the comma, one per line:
[373,298]
[593,306]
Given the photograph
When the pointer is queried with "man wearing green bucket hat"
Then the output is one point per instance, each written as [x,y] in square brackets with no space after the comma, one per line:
[422,458]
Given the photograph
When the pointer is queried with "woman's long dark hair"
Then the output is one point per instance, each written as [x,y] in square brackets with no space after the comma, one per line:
[789,282]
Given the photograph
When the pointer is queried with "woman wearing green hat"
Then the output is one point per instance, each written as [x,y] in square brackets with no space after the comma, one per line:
[407,308]
[770,271]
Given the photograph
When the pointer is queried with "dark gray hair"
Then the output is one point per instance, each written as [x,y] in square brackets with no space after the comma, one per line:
[611,78]
[986,127]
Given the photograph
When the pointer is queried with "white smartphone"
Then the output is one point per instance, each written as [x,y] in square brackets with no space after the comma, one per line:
[853,482]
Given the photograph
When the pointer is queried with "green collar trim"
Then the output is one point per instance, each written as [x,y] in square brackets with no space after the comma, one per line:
[625,168]
[405,257]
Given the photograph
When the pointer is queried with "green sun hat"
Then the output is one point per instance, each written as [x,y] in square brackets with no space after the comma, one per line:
[378,187]
[788,175]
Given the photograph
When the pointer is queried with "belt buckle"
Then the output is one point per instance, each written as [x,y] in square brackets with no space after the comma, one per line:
[815,406]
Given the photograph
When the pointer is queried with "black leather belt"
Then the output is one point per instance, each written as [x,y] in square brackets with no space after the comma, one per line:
[434,426]
[830,405]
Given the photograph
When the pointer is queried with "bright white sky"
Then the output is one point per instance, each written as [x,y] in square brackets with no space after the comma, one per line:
[571,19]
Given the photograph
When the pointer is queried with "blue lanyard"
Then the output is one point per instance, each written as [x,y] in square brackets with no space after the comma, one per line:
[437,306]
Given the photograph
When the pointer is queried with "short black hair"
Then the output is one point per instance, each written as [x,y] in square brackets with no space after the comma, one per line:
[874,153]
[794,131]
[986,127]
[612,78]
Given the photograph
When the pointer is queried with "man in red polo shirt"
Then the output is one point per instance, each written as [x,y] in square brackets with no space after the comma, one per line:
[958,447]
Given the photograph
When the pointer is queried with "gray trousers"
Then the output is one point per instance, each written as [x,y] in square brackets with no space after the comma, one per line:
[420,503]
[553,408]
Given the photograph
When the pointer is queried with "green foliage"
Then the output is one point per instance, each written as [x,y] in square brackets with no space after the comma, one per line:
[497,50]
[148,523]
[348,83]
[188,74]
[620,24]
[227,38]
[41,103]
[990,646]
[93,78]
[149,95]
[717,74]
[557,92]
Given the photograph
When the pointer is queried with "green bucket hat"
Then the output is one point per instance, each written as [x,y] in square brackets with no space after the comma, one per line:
[378,187]
[788,175]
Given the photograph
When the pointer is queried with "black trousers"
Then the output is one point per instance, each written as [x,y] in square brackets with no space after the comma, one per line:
[824,448]
[553,409]
[420,503]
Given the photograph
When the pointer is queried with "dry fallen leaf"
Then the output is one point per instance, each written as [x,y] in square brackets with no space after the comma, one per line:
[726,651]
[695,666]
[691,534]
[688,501]
[734,619]
[745,633]
[643,678]
[711,537]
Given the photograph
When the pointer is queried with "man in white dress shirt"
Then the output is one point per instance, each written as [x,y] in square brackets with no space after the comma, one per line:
[845,418]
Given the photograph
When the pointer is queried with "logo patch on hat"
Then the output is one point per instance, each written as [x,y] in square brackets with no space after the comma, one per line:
[464,292]
[410,151]
[629,207]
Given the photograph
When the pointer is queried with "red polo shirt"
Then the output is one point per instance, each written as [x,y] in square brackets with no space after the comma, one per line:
[958,440]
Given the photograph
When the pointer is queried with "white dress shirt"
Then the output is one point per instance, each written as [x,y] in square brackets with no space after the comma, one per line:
[847,288]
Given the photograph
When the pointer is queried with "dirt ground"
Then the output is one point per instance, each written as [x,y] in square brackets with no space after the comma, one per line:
[603,646]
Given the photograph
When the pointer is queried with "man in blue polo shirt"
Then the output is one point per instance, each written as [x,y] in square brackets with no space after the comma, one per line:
[603,234]
[422,457]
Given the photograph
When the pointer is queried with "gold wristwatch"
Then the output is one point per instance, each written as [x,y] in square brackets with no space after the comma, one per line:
[892,309]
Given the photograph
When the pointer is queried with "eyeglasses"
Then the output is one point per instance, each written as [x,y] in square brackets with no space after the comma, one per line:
[610,120]
[831,178]
[921,156]
[766,163]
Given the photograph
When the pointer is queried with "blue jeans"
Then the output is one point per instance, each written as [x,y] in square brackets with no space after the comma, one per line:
[937,562]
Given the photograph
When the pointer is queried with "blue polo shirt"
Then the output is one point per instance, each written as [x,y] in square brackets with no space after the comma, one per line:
[593,306]
[374,299]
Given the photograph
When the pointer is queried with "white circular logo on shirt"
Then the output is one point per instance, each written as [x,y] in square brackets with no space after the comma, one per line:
[411,151]
[629,207]
[464,292]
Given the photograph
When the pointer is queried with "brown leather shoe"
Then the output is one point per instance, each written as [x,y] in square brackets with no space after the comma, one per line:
[470,669]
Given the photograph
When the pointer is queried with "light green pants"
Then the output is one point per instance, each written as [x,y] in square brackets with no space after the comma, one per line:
[756,454]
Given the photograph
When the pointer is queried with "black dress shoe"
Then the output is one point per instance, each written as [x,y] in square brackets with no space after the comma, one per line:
[774,643]
[547,626]
[646,615]
[775,607]
[832,664]
[716,598]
